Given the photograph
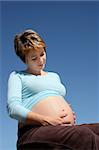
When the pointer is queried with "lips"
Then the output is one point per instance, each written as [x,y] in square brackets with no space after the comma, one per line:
[40,65]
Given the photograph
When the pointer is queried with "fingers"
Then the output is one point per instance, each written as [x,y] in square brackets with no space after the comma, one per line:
[61,121]
[74,117]
[63,114]
[66,125]
[74,113]
[66,122]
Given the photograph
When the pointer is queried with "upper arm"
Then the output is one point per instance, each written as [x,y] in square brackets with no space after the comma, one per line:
[14,103]
[14,86]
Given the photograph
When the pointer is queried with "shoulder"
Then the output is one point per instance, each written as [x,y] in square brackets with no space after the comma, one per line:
[14,75]
[54,74]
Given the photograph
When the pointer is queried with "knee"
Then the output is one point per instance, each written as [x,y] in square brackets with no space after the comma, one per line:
[84,132]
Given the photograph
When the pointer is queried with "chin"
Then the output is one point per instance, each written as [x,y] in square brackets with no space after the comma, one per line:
[43,67]
[40,68]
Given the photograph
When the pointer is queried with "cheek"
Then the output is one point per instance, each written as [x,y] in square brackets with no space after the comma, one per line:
[44,60]
[32,64]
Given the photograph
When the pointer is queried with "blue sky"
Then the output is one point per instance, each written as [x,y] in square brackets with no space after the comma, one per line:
[71,33]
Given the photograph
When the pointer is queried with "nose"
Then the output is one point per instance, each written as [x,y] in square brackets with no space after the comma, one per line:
[40,61]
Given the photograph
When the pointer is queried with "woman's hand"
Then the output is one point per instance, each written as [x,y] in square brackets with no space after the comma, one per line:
[74,117]
[59,120]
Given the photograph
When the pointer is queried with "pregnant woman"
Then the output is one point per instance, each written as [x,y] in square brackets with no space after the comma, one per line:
[36,100]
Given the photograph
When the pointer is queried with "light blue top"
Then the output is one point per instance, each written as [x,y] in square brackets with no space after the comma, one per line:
[25,90]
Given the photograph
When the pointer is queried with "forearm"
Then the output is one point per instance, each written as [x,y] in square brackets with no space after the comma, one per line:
[35,118]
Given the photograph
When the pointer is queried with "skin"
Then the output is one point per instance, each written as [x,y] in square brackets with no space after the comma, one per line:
[35,62]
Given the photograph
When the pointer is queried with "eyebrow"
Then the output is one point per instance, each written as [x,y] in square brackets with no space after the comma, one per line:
[35,55]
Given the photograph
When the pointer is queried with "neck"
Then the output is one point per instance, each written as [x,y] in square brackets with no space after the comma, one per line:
[41,72]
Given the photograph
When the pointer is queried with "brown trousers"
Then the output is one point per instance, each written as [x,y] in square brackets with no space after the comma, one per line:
[78,137]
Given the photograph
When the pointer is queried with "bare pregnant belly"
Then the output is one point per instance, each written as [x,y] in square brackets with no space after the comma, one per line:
[52,106]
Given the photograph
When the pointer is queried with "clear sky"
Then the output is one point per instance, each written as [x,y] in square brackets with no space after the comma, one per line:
[71,33]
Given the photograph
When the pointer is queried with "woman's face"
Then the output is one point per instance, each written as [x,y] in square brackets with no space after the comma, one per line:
[36,60]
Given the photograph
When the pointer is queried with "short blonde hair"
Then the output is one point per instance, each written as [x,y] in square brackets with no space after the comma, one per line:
[27,40]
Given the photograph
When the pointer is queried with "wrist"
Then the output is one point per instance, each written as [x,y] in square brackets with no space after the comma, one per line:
[41,119]
[44,120]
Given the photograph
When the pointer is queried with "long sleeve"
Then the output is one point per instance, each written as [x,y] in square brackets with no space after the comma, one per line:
[14,102]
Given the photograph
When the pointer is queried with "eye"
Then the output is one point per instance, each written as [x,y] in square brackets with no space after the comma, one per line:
[42,54]
[33,58]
